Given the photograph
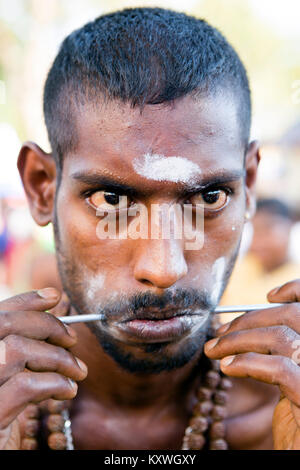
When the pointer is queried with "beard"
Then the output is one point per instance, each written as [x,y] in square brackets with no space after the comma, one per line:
[142,358]
[146,358]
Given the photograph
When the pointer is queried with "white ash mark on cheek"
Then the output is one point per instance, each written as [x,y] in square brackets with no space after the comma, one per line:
[233,228]
[218,270]
[161,168]
[177,259]
[94,284]
[2,353]
[196,278]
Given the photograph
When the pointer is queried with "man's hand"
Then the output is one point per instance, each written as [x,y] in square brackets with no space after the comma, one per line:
[265,345]
[35,364]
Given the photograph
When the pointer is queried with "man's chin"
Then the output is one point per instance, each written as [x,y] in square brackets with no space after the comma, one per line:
[151,357]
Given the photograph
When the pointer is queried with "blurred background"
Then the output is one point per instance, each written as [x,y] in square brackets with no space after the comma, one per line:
[266,34]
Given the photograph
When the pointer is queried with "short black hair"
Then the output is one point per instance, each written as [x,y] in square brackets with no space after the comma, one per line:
[275,207]
[140,56]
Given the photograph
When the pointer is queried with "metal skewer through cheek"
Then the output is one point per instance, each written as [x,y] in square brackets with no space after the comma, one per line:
[218,310]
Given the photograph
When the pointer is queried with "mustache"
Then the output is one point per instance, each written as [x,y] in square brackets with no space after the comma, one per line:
[148,304]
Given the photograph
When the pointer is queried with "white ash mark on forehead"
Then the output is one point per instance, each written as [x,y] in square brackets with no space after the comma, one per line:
[161,168]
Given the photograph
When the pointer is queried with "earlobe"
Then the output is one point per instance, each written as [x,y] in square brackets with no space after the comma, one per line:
[38,173]
[252,160]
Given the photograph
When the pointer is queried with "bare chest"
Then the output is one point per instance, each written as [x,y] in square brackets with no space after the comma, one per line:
[248,425]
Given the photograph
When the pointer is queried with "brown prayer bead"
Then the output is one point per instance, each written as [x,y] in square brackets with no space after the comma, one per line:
[32,412]
[57,441]
[204,393]
[225,384]
[217,430]
[212,379]
[218,412]
[220,397]
[199,424]
[55,406]
[55,423]
[31,428]
[29,443]
[195,441]
[203,408]
[218,444]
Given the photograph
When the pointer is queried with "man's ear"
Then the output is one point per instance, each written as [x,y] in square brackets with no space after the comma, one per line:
[252,159]
[38,173]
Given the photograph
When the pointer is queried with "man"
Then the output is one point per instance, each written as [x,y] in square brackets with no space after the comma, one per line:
[149,107]
[272,226]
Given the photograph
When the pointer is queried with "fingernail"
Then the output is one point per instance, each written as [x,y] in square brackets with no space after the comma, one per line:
[81,365]
[224,328]
[226,361]
[73,384]
[273,291]
[211,344]
[48,293]
[70,331]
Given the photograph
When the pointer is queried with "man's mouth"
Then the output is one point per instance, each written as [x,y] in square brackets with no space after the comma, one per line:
[160,325]
[157,314]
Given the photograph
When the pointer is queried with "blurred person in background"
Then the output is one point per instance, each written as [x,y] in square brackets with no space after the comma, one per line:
[272,229]
[269,260]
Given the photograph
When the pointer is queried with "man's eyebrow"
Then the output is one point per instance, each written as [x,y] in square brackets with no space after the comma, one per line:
[106,182]
[215,179]
[117,183]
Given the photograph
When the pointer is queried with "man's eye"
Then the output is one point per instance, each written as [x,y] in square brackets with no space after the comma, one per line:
[212,200]
[107,201]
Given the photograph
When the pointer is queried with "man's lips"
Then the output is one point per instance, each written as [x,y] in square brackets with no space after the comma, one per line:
[156,314]
[160,326]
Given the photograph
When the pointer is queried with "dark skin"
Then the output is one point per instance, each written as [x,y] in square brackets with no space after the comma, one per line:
[132,409]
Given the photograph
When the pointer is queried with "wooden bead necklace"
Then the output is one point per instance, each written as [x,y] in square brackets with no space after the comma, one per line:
[206,429]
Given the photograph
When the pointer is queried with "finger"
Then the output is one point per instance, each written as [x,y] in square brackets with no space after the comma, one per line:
[288,315]
[62,308]
[276,340]
[276,370]
[32,387]
[39,356]
[289,292]
[39,300]
[37,325]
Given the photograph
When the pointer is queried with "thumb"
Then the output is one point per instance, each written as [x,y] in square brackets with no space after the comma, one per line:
[289,292]
[62,309]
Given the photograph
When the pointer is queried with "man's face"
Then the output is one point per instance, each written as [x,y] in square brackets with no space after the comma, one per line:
[155,294]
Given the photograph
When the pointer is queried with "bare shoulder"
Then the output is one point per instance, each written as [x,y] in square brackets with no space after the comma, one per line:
[250,411]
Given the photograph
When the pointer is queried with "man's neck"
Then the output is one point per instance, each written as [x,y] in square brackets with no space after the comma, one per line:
[115,387]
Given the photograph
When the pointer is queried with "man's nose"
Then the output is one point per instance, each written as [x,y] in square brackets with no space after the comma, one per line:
[160,263]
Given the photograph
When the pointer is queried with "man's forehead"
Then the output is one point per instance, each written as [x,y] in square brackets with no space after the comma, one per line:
[183,127]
